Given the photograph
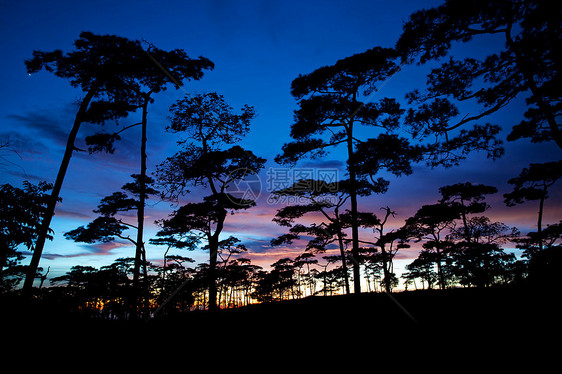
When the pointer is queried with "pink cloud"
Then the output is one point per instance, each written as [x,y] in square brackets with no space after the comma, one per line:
[100,249]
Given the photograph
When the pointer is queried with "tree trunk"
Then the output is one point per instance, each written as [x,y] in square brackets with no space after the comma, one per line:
[343,261]
[3,257]
[141,203]
[544,106]
[53,199]
[354,224]
[385,269]
[464,221]
[539,222]
[213,248]
[440,270]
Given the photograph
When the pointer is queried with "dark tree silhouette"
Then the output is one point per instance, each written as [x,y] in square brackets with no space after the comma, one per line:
[77,276]
[306,259]
[21,211]
[154,73]
[176,284]
[533,184]
[278,284]
[194,222]
[481,261]
[529,63]
[550,236]
[431,223]
[237,281]
[109,225]
[422,267]
[389,242]
[468,252]
[467,198]
[544,264]
[329,104]
[111,71]
[386,152]
[324,198]
[477,257]
[210,124]
[226,249]
[327,277]
[98,293]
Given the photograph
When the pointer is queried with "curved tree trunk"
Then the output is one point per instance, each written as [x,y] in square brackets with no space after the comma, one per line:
[54,198]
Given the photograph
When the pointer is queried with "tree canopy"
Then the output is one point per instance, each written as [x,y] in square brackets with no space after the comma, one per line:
[527,62]
[341,229]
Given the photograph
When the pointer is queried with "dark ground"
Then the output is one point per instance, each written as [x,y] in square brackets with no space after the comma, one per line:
[490,312]
[480,319]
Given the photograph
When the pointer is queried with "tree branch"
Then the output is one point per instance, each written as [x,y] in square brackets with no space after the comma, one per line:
[126,238]
[127,127]
[484,31]
[493,109]
[544,106]
[127,224]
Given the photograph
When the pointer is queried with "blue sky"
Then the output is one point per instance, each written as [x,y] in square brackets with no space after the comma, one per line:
[258,48]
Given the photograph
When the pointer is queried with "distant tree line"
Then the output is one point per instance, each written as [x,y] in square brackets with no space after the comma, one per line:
[459,245]
[460,248]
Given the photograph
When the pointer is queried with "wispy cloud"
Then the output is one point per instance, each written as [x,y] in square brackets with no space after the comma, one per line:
[325,164]
[99,249]
[44,126]
[79,215]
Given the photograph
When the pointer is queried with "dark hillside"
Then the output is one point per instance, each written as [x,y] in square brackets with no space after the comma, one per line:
[495,312]
[477,320]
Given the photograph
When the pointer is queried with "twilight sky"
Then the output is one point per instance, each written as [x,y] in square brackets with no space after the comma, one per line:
[258,48]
